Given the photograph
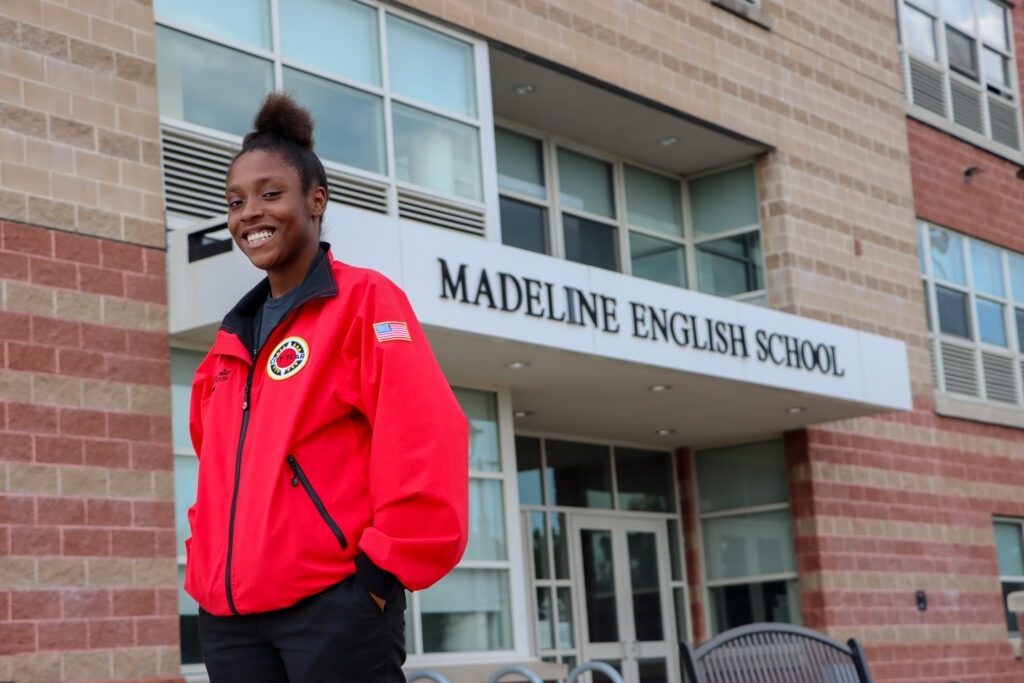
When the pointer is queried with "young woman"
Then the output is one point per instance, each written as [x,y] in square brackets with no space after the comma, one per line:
[332,453]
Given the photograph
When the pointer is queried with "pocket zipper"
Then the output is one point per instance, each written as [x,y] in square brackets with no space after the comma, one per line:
[299,477]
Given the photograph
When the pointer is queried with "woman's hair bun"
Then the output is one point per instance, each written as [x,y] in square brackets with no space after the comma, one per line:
[281,117]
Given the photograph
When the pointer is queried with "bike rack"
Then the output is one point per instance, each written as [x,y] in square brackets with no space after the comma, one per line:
[594,666]
[514,669]
[428,674]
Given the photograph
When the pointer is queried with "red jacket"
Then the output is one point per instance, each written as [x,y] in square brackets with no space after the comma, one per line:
[336,449]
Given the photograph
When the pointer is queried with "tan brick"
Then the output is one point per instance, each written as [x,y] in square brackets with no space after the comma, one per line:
[18,572]
[50,156]
[15,386]
[78,306]
[32,479]
[29,299]
[27,65]
[27,179]
[98,222]
[54,571]
[163,485]
[25,10]
[105,395]
[137,15]
[141,176]
[142,124]
[76,190]
[96,8]
[73,133]
[132,484]
[51,213]
[83,481]
[88,665]
[97,112]
[13,146]
[106,571]
[91,56]
[155,572]
[74,78]
[119,145]
[36,667]
[150,400]
[122,200]
[66,20]
[136,70]
[63,391]
[124,313]
[10,89]
[113,35]
[97,167]
[136,663]
[22,120]
[144,231]
[43,98]
[43,41]
[13,205]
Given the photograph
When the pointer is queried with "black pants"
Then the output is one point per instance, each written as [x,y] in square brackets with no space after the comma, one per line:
[337,636]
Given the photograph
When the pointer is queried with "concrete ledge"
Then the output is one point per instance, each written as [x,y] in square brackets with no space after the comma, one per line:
[747,10]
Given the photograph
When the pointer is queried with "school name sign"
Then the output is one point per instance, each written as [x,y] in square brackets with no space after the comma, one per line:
[567,305]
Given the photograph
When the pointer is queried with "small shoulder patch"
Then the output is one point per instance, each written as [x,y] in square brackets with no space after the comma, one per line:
[391,331]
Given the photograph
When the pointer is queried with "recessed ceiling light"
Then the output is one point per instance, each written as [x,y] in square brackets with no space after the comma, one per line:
[523,89]
[664,431]
[522,413]
[669,141]
[659,387]
[517,364]
[793,410]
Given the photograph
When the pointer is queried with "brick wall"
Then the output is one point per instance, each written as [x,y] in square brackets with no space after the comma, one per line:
[87,569]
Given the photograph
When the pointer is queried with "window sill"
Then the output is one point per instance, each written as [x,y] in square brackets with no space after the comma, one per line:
[1015,644]
[748,11]
[966,134]
[979,411]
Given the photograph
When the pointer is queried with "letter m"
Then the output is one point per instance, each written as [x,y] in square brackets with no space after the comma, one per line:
[450,289]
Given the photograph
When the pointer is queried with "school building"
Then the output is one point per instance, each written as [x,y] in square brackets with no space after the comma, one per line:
[731,291]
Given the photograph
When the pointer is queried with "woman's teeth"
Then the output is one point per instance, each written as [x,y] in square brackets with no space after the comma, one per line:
[258,236]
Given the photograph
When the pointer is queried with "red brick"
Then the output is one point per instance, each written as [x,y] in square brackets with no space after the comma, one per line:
[140,371]
[166,542]
[110,633]
[102,453]
[128,426]
[32,605]
[102,281]
[14,326]
[87,364]
[31,358]
[55,332]
[17,638]
[134,543]
[63,635]
[153,513]
[26,239]
[119,256]
[150,288]
[90,603]
[13,266]
[166,602]
[156,262]
[86,542]
[151,345]
[133,602]
[76,248]
[60,511]
[28,417]
[151,631]
[81,422]
[17,510]
[59,449]
[35,541]
[103,339]
[15,447]
[46,271]
[107,512]
[152,456]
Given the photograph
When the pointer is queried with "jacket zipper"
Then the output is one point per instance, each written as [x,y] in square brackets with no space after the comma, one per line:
[300,477]
[234,493]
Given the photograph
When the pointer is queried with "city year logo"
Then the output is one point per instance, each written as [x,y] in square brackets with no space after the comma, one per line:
[288,358]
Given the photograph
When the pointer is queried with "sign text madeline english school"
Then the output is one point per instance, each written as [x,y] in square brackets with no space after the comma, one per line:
[571,306]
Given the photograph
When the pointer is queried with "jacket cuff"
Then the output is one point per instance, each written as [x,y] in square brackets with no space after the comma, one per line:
[378,581]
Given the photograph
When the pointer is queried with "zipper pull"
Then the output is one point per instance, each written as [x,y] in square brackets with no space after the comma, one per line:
[295,473]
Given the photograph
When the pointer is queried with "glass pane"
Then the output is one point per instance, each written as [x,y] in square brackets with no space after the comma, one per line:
[539,545]
[962,55]
[579,474]
[992,24]
[724,201]
[644,480]
[922,247]
[560,544]
[188,623]
[528,468]
[1019,315]
[585,184]
[653,670]
[1017,277]
[481,408]
[600,677]
[749,545]
[652,201]
[920,33]
[545,619]
[352,122]
[675,556]
[986,268]
[947,256]
[436,153]
[1012,625]
[486,521]
[524,225]
[657,260]
[467,611]
[520,163]
[431,67]
[246,21]
[927,4]
[991,323]
[599,585]
[679,601]
[194,74]
[590,242]
[333,35]
[996,68]
[730,266]
[643,577]
[959,13]
[565,623]
[741,604]
[742,476]
[1009,548]
[183,367]
[186,473]
[952,307]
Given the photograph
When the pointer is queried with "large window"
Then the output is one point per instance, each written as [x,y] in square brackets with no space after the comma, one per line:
[470,610]
[1010,548]
[747,535]
[700,233]
[960,68]
[392,98]
[975,297]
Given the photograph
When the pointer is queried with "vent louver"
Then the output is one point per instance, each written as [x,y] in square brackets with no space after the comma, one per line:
[967,107]
[926,87]
[442,214]
[1000,384]
[1003,117]
[959,370]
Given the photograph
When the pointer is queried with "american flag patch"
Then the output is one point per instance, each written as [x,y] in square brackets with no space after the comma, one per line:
[391,331]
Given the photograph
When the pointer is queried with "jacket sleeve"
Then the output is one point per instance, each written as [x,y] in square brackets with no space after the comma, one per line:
[195,417]
[419,450]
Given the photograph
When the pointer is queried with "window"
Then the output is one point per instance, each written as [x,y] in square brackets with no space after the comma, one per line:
[960,67]
[702,233]
[470,610]
[392,98]
[975,297]
[747,535]
[1010,548]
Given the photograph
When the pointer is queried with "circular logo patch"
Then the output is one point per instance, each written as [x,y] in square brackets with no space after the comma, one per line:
[288,358]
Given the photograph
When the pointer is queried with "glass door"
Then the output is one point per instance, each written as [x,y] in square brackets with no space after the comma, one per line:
[621,570]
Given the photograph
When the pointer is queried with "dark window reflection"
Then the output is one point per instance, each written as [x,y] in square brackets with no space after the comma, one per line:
[952,307]
[523,225]
[579,474]
[528,468]
[599,585]
[749,603]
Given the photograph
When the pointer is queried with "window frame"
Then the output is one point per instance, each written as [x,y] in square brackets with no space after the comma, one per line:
[1007,578]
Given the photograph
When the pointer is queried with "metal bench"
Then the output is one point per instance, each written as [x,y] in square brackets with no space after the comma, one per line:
[774,653]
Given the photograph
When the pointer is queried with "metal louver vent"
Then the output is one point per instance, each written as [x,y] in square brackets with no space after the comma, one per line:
[967,107]
[357,192]
[926,87]
[959,370]
[1004,122]
[1000,384]
[194,171]
[436,212]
